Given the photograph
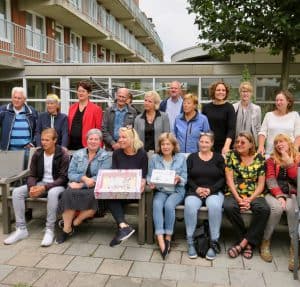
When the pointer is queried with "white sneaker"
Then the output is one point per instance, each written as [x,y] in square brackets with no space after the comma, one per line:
[48,238]
[19,234]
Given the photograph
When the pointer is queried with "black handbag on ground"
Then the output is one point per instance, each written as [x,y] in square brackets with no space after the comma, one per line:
[201,239]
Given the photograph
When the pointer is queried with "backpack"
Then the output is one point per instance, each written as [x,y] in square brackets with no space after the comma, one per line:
[201,239]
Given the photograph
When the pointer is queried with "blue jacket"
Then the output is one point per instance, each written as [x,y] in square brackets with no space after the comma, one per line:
[7,119]
[178,164]
[188,133]
[80,162]
[60,125]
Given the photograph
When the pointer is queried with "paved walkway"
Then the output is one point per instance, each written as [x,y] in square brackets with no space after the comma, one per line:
[87,260]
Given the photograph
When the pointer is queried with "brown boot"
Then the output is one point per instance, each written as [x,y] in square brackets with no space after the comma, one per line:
[291,258]
[265,252]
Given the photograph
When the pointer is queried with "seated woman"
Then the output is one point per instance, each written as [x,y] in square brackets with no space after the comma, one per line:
[281,180]
[245,176]
[130,155]
[82,174]
[205,186]
[151,123]
[166,198]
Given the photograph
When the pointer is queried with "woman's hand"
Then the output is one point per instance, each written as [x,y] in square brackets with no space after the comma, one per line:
[177,179]
[88,181]
[152,186]
[143,184]
[261,150]
[286,158]
[203,192]
[244,204]
[76,185]
[282,202]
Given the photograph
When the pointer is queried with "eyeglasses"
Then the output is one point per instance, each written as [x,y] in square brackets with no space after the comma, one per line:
[207,134]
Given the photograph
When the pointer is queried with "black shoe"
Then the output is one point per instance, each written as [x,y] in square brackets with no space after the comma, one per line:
[215,246]
[123,234]
[63,236]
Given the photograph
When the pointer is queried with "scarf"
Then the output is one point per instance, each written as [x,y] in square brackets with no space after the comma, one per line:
[243,119]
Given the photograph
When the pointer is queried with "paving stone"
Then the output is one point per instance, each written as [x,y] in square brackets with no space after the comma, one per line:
[81,234]
[27,258]
[24,275]
[245,278]
[55,261]
[89,280]
[5,270]
[115,267]
[7,253]
[281,263]
[132,241]
[179,245]
[196,262]
[139,254]
[108,252]
[149,270]
[55,278]
[279,279]
[158,283]
[116,281]
[84,264]
[212,275]
[256,263]
[194,284]
[178,272]
[102,237]
[56,248]
[224,261]
[173,257]
[81,249]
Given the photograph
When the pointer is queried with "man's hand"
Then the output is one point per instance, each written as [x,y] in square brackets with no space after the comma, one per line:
[36,191]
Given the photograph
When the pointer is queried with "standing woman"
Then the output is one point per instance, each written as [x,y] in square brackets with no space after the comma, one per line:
[53,118]
[82,173]
[190,124]
[83,116]
[130,155]
[281,180]
[205,186]
[248,115]
[245,176]
[167,198]
[221,117]
[282,120]
[151,123]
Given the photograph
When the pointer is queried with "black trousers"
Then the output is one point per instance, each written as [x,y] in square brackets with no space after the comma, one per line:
[260,214]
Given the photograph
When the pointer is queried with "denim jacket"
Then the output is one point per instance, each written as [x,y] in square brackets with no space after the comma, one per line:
[80,162]
[178,164]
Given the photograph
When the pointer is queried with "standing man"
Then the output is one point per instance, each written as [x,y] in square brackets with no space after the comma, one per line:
[173,104]
[48,177]
[17,122]
[118,115]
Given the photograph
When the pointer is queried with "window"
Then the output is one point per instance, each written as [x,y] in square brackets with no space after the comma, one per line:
[75,48]
[93,10]
[93,53]
[5,25]
[35,32]
[112,57]
[59,44]
[76,3]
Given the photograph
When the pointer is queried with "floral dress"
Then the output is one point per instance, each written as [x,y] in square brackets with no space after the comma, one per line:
[245,176]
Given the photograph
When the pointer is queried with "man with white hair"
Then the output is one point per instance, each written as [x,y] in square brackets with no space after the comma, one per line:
[17,122]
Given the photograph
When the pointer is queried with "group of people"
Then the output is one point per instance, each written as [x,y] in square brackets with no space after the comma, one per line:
[225,167]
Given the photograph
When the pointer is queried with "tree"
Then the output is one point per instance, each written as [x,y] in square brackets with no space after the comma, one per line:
[240,26]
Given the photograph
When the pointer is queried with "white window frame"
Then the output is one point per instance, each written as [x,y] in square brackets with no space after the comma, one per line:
[59,47]
[33,33]
[93,10]
[75,52]
[5,24]
[112,57]
[103,53]
[93,57]
[76,3]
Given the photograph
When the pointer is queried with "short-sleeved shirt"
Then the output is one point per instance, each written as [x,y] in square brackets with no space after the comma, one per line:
[245,176]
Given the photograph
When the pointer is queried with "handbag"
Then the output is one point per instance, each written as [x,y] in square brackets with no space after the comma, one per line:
[201,239]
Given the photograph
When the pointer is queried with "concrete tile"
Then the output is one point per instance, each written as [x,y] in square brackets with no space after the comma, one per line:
[256,263]
[212,275]
[5,270]
[224,261]
[281,263]
[81,249]
[89,280]
[158,283]
[116,281]
[149,270]
[7,253]
[115,267]
[109,252]
[279,279]
[24,275]
[55,261]
[193,284]
[178,272]
[55,278]
[27,258]
[139,254]
[173,257]
[179,245]
[246,278]
[84,264]
[132,241]
[56,248]
[81,234]
[102,237]
[195,262]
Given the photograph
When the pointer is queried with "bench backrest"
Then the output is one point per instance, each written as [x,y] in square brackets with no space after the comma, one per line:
[11,163]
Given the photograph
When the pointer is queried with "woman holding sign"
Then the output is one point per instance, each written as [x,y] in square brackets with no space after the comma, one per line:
[167,196]
[82,173]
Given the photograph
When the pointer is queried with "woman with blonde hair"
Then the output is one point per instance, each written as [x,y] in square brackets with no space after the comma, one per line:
[130,155]
[152,122]
[166,198]
[281,180]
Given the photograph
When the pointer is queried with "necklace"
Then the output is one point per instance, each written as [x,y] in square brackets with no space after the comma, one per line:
[150,119]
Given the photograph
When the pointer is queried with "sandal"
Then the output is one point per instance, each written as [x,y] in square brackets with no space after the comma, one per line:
[248,252]
[235,251]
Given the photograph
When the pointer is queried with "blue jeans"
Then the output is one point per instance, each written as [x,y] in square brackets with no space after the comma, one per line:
[164,205]
[214,204]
